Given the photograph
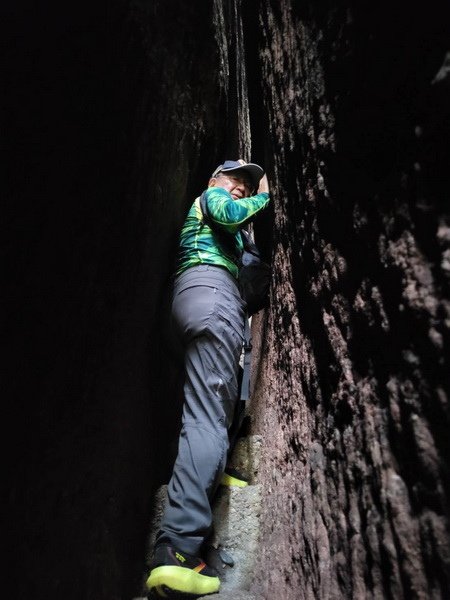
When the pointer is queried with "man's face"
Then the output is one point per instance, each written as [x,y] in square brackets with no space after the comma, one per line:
[238,186]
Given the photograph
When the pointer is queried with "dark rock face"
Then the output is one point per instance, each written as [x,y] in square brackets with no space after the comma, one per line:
[111,112]
[115,115]
[352,390]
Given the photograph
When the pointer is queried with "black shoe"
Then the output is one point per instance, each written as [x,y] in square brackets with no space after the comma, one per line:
[177,574]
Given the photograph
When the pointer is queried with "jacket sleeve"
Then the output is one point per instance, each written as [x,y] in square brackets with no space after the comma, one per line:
[231,215]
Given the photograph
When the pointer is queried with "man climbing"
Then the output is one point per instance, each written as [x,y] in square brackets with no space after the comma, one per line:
[208,316]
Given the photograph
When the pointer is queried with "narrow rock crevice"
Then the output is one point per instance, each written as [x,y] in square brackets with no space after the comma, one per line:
[115,116]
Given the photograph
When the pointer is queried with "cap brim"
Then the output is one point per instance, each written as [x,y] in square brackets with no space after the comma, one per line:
[254,171]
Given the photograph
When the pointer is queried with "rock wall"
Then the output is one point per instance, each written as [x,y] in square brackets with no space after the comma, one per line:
[112,124]
[115,114]
[352,380]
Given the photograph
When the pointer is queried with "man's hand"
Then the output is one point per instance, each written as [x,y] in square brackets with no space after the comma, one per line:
[263,185]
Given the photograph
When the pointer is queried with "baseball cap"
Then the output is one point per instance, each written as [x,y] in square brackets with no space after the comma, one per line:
[253,171]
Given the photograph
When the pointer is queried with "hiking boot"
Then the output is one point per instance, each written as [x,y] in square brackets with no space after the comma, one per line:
[232,477]
[175,574]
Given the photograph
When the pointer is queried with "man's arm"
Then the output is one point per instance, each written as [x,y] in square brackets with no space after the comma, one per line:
[231,215]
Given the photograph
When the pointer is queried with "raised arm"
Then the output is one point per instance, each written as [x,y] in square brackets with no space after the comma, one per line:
[231,214]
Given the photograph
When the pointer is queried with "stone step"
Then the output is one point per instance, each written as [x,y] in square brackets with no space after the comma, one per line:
[246,456]
[230,596]
[220,596]
[236,531]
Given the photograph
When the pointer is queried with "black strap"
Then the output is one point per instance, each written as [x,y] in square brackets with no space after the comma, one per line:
[245,383]
[244,391]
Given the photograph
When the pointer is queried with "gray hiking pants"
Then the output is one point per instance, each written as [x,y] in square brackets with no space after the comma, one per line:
[208,317]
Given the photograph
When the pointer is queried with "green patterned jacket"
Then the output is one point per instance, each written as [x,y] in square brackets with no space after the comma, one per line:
[199,245]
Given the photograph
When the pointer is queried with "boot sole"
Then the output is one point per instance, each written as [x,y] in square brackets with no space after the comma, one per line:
[179,580]
[229,480]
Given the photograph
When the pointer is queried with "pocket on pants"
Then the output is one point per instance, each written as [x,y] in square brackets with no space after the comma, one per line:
[226,330]
[192,308]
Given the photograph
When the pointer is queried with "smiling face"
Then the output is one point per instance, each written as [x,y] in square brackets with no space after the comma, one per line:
[237,185]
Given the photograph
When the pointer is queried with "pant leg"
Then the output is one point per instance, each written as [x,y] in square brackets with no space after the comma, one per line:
[208,314]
